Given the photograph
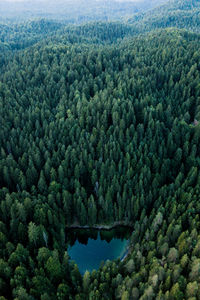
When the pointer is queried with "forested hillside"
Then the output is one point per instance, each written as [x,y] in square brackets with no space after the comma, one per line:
[180,14]
[93,133]
[100,125]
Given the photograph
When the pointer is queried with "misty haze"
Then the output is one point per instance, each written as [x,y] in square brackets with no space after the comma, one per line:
[76,10]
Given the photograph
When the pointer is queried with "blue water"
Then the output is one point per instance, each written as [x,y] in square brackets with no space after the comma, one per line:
[89,256]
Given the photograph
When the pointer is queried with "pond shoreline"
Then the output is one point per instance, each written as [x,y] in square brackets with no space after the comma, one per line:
[127,253]
[100,226]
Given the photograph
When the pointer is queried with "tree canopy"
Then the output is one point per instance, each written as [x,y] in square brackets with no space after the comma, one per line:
[99,125]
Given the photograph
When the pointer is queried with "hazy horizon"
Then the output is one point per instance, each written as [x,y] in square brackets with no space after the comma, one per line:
[75,11]
[76,0]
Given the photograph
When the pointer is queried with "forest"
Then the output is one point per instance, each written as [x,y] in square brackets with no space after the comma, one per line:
[100,124]
[180,14]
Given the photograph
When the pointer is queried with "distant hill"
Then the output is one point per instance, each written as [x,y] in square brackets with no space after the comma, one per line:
[183,4]
[184,14]
[77,11]
[25,34]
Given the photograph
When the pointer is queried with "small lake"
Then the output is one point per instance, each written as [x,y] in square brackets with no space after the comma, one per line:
[89,247]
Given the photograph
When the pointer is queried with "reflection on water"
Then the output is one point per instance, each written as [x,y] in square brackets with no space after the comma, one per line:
[89,247]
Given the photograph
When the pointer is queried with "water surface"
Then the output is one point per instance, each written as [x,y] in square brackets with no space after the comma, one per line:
[89,247]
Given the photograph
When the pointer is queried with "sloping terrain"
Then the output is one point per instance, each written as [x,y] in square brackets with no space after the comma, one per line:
[95,132]
[181,14]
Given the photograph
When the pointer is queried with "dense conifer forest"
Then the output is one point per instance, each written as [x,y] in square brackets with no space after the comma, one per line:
[175,13]
[100,125]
